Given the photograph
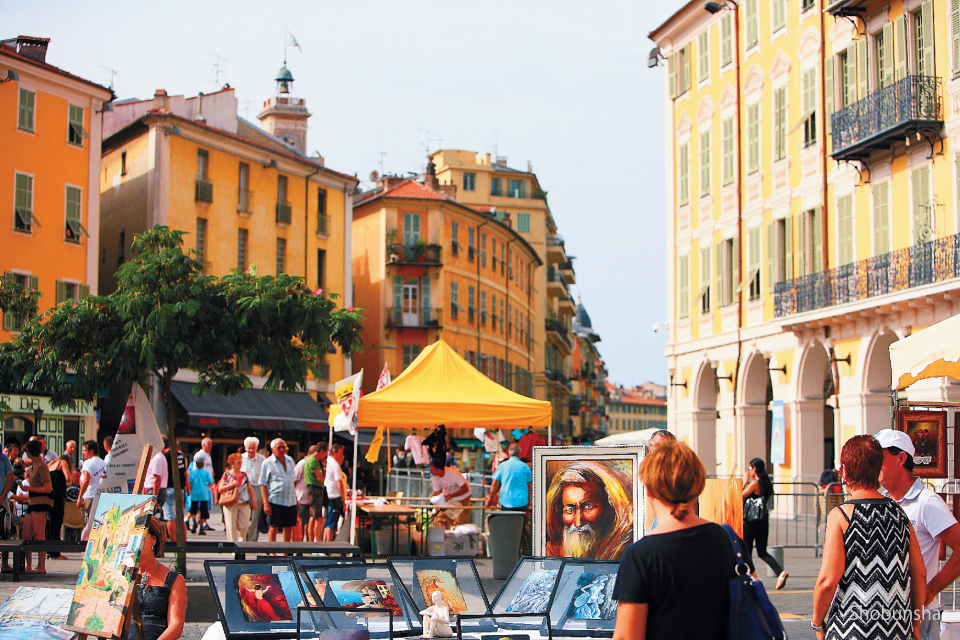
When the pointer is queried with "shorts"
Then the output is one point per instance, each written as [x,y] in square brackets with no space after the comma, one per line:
[161,501]
[304,511]
[317,494]
[170,506]
[334,513]
[201,506]
[39,508]
[282,517]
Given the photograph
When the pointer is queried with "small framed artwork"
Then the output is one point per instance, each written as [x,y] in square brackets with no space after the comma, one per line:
[582,604]
[529,587]
[334,623]
[255,598]
[587,501]
[928,432]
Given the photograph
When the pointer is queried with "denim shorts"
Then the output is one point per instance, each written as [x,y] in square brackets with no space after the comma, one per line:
[333,513]
[170,506]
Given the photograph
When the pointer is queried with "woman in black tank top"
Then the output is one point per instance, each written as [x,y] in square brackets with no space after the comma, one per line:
[162,593]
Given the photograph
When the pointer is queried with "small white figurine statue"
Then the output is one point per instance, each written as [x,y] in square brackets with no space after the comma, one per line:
[436,619]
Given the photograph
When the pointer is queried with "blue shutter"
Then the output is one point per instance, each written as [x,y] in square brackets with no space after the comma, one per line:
[425,299]
[397,298]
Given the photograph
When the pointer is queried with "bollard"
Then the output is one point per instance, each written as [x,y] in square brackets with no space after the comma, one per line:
[777,553]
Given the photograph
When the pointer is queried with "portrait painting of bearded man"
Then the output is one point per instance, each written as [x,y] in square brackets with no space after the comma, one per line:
[589,504]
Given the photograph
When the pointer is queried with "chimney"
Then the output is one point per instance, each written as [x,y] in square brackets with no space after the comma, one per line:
[430,177]
[160,100]
[33,48]
[449,190]
[388,182]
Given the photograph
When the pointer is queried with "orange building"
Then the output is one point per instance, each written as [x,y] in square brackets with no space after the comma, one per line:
[49,200]
[425,267]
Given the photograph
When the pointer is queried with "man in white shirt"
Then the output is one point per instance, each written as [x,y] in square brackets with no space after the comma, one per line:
[455,489]
[336,485]
[156,481]
[931,519]
[251,465]
[303,496]
[90,474]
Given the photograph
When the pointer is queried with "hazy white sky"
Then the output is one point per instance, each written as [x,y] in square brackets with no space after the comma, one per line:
[563,84]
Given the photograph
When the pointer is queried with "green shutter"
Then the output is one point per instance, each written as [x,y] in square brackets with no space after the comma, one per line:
[84,291]
[881,219]
[73,203]
[850,87]
[75,124]
[34,283]
[705,279]
[24,192]
[27,110]
[61,293]
[845,230]
[770,251]
[900,35]
[728,141]
[816,221]
[684,306]
[780,123]
[686,67]
[753,137]
[706,149]
[921,204]
[926,53]
[703,56]
[9,321]
[862,85]
[672,75]
[397,298]
[684,159]
[735,275]
[718,276]
[955,35]
[753,23]
[779,14]
[726,39]
[425,299]
[886,64]
[802,246]
[828,84]
[788,248]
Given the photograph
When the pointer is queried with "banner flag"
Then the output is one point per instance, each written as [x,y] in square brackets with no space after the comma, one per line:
[138,428]
[374,451]
[384,378]
[347,392]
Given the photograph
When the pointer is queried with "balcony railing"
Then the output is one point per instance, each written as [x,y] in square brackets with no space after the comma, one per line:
[418,318]
[284,212]
[883,117]
[423,253]
[553,324]
[204,191]
[899,270]
[553,275]
[554,240]
[323,224]
[245,201]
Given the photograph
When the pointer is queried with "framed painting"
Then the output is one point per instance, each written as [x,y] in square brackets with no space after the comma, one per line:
[928,432]
[529,587]
[587,501]
[335,623]
[582,603]
[722,502]
[36,613]
[108,572]
[455,577]
[255,597]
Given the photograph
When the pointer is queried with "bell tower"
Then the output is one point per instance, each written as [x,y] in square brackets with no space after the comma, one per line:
[284,115]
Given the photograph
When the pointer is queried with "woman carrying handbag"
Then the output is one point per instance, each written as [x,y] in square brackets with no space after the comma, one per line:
[757,491]
[236,499]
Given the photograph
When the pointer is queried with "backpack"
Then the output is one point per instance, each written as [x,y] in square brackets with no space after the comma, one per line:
[752,615]
[73,493]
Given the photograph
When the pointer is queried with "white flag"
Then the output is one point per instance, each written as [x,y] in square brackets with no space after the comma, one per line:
[347,392]
[138,428]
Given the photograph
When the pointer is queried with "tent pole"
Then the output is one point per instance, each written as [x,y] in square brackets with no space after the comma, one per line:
[353,503]
[550,434]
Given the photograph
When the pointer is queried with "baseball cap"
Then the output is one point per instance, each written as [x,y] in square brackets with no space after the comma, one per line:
[198,457]
[891,438]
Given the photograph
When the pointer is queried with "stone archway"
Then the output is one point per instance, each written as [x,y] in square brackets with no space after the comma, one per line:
[753,410]
[705,417]
[813,417]
[876,400]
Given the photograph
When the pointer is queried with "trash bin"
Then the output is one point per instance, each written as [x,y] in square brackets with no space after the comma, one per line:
[505,532]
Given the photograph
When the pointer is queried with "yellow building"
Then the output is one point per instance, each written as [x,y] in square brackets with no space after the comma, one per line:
[480,181]
[50,159]
[634,409]
[246,195]
[812,216]
[426,267]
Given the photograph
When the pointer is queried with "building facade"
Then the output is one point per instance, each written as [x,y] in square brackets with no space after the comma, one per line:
[588,402]
[812,216]
[50,206]
[490,184]
[427,267]
[634,409]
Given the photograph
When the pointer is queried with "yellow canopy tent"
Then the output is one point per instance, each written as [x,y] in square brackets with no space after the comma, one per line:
[930,353]
[440,387]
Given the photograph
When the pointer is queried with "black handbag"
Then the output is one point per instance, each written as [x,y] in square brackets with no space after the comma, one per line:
[753,509]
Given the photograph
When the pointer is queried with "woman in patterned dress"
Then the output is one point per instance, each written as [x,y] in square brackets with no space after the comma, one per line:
[872,569]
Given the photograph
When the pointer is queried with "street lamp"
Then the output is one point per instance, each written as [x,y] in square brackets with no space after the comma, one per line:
[37,417]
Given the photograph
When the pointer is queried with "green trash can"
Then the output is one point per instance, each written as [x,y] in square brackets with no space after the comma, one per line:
[505,532]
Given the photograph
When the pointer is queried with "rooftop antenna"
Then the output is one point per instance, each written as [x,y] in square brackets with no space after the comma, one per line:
[216,67]
[246,109]
[113,74]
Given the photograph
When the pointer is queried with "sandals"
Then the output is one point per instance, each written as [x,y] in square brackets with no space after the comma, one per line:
[782,580]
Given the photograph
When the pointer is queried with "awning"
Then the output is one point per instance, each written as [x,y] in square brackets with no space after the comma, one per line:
[931,353]
[251,409]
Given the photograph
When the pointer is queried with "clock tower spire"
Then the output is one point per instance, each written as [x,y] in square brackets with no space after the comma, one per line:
[284,115]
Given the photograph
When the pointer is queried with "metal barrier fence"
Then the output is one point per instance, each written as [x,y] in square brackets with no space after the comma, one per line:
[795,518]
[417,483]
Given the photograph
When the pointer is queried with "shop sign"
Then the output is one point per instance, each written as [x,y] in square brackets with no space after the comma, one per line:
[29,404]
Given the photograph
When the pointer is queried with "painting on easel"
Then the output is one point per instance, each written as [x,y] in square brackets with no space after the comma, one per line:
[105,584]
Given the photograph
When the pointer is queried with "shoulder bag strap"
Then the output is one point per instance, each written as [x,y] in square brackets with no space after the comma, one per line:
[735,543]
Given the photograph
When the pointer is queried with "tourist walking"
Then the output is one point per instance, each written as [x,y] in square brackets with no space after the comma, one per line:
[91,473]
[931,518]
[39,504]
[170,504]
[302,493]
[336,486]
[313,473]
[673,582]
[252,464]
[757,491]
[201,488]
[277,491]
[236,496]
[872,570]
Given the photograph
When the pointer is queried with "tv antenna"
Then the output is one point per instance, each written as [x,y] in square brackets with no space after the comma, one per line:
[113,74]
[217,70]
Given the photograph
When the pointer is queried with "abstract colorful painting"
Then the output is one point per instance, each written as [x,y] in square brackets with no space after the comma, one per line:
[593,598]
[36,613]
[106,579]
[722,502]
[445,582]
[534,594]
[262,598]
[364,594]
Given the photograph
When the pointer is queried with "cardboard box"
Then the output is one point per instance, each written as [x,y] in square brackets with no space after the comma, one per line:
[468,545]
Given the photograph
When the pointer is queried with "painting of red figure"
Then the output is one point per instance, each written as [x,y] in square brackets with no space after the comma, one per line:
[262,598]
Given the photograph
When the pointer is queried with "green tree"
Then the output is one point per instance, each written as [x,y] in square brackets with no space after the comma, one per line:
[167,315]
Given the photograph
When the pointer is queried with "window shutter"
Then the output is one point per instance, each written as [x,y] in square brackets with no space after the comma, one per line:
[753,137]
[816,234]
[809,91]
[73,203]
[61,293]
[726,40]
[802,246]
[754,255]
[672,75]
[780,123]
[9,321]
[955,35]
[921,202]
[705,169]
[718,276]
[850,88]
[828,84]
[684,156]
[34,283]
[926,15]
[425,299]
[845,230]
[779,15]
[728,145]
[788,248]
[881,219]
[397,298]
[770,252]
[703,56]
[705,278]
[900,35]
[887,61]
[27,109]
[735,275]
[84,291]
[686,67]
[862,68]
[24,195]
[684,305]
[753,23]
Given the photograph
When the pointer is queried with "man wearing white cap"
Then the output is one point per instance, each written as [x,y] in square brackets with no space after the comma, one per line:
[930,517]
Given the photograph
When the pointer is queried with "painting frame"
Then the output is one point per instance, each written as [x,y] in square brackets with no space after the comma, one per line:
[504,626]
[511,588]
[36,613]
[335,620]
[462,568]
[616,467]
[930,459]
[222,574]
[565,592]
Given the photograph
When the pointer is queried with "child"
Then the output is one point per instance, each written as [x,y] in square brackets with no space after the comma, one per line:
[201,486]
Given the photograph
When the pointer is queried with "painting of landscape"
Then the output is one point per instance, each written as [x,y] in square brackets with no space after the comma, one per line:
[35,613]
[105,584]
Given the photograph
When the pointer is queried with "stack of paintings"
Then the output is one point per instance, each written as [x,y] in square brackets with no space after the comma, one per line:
[256,598]
[36,613]
[582,602]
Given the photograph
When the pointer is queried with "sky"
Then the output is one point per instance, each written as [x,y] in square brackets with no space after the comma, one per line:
[562,84]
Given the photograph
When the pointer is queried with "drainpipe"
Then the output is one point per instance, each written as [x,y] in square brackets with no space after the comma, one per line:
[306,222]
[740,252]
[823,126]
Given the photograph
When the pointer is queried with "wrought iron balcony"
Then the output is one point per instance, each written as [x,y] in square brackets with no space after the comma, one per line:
[204,191]
[414,253]
[244,201]
[323,224]
[554,325]
[912,105]
[284,212]
[423,318]
[921,264]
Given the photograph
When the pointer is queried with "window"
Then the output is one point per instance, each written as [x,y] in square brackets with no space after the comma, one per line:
[454,303]
[883,47]
[779,11]
[496,187]
[779,251]
[75,131]
[203,160]
[493,247]
[809,99]
[955,36]
[201,239]
[848,76]
[678,72]
[729,146]
[72,215]
[469,182]
[807,4]
[726,276]
[704,294]
[881,218]
[518,188]
[471,303]
[243,191]
[923,39]
[753,23]
[284,210]
[23,217]
[471,243]
[122,249]
[123,163]
[703,56]
[523,222]
[810,242]
[493,311]
[483,249]
[13,322]
[684,303]
[322,219]
[753,262]
[726,39]
[684,172]
[26,114]
[705,169]
[454,238]
[321,268]
[779,123]
[281,255]
[845,249]
[922,231]
[753,138]
[242,235]
[71,291]
[483,308]
[410,353]
[411,228]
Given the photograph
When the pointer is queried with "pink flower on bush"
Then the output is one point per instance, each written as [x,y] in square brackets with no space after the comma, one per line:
[318,292]
[349,308]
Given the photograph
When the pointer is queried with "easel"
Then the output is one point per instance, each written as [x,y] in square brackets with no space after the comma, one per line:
[133,614]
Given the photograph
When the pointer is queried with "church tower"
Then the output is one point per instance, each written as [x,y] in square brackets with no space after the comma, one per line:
[284,115]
